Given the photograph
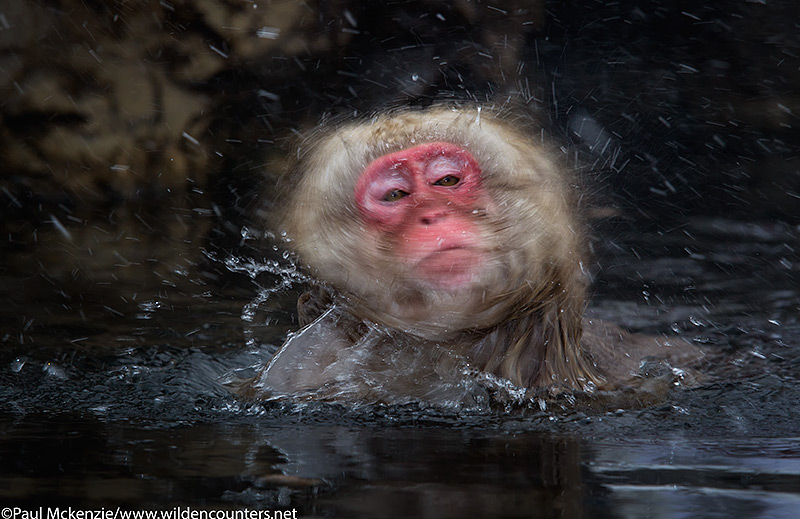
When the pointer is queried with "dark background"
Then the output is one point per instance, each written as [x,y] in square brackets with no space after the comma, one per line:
[680,108]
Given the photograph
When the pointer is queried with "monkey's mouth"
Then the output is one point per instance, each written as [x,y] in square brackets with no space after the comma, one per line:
[450,268]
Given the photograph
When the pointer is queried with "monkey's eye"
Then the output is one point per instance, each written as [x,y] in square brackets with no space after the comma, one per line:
[447,181]
[394,195]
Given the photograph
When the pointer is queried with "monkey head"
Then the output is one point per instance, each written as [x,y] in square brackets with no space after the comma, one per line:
[437,222]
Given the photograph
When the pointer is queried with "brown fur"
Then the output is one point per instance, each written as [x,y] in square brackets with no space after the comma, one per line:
[523,322]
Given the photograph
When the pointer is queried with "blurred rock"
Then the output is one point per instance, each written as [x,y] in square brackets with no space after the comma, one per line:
[125,99]
[110,98]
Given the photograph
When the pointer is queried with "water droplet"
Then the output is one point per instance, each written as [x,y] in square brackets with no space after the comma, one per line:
[18,363]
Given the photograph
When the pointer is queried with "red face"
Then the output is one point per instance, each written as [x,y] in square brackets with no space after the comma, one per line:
[424,200]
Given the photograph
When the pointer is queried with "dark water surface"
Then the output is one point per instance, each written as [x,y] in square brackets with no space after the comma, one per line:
[112,394]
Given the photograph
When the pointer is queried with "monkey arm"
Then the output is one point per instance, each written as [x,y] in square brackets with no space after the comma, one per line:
[304,362]
[312,304]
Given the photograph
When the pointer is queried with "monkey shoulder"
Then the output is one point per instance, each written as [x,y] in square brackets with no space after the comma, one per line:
[623,357]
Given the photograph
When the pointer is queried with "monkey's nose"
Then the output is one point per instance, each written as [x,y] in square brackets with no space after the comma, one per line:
[432,217]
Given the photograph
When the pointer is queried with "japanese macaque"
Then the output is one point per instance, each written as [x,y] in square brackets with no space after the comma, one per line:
[446,243]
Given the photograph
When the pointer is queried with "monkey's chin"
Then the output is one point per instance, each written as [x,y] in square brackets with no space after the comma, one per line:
[451,270]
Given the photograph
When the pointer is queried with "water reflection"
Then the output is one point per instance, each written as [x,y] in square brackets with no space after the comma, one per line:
[360,471]
[108,399]
[683,478]
[347,470]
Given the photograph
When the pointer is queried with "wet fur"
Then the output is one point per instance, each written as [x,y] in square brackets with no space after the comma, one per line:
[525,323]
